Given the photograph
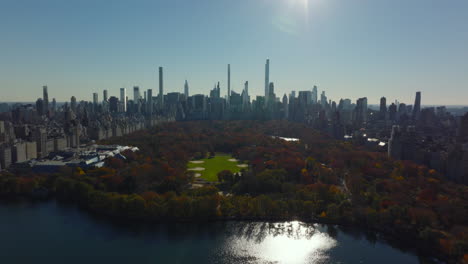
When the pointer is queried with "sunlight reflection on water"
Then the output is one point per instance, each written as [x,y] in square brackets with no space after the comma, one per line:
[290,242]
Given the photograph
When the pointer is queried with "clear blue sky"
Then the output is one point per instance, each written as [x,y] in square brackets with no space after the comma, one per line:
[349,48]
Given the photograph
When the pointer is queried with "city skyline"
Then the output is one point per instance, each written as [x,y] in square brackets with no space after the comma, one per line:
[350,50]
[269,84]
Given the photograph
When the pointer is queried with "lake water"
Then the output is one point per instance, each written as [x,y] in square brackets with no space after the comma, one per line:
[49,232]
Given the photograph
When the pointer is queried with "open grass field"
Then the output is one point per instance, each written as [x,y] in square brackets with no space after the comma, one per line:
[211,167]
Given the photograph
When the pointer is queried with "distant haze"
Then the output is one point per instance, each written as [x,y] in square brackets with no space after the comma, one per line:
[350,49]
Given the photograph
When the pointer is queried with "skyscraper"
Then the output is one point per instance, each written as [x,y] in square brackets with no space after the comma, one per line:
[123,99]
[267,80]
[323,99]
[417,106]
[383,108]
[245,95]
[136,94]
[105,96]
[285,106]
[73,103]
[271,93]
[54,105]
[229,83]
[149,101]
[161,88]
[315,94]
[45,99]
[361,111]
[186,89]
[95,99]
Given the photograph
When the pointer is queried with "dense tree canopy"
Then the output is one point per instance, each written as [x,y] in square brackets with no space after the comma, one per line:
[314,179]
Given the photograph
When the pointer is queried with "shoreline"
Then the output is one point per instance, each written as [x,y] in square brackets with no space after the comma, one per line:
[404,244]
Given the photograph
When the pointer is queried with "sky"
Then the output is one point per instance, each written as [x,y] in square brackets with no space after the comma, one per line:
[348,48]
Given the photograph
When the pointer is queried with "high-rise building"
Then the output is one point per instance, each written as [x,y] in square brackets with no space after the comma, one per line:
[292,95]
[392,112]
[267,80]
[361,111]
[45,99]
[271,93]
[105,96]
[113,104]
[285,106]
[54,105]
[314,94]
[245,95]
[186,89]
[136,94]
[229,84]
[73,104]
[40,136]
[95,100]
[323,99]
[161,88]
[40,106]
[417,106]
[149,101]
[123,99]
[383,108]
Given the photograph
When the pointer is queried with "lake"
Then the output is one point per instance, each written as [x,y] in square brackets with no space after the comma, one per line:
[49,232]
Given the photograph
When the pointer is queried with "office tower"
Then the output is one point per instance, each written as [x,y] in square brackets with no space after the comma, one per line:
[314,94]
[402,110]
[305,98]
[271,93]
[113,104]
[267,80]
[40,136]
[361,111]
[45,99]
[136,94]
[229,83]
[105,96]
[144,96]
[417,106]
[95,101]
[40,106]
[245,96]
[54,105]
[73,104]
[383,108]
[123,99]
[186,89]
[149,101]
[285,106]
[293,94]
[323,99]
[392,112]
[216,92]
[161,88]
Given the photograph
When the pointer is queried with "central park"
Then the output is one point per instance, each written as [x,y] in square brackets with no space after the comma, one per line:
[183,170]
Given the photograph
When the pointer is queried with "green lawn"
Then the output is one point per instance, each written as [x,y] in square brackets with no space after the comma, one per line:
[215,165]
